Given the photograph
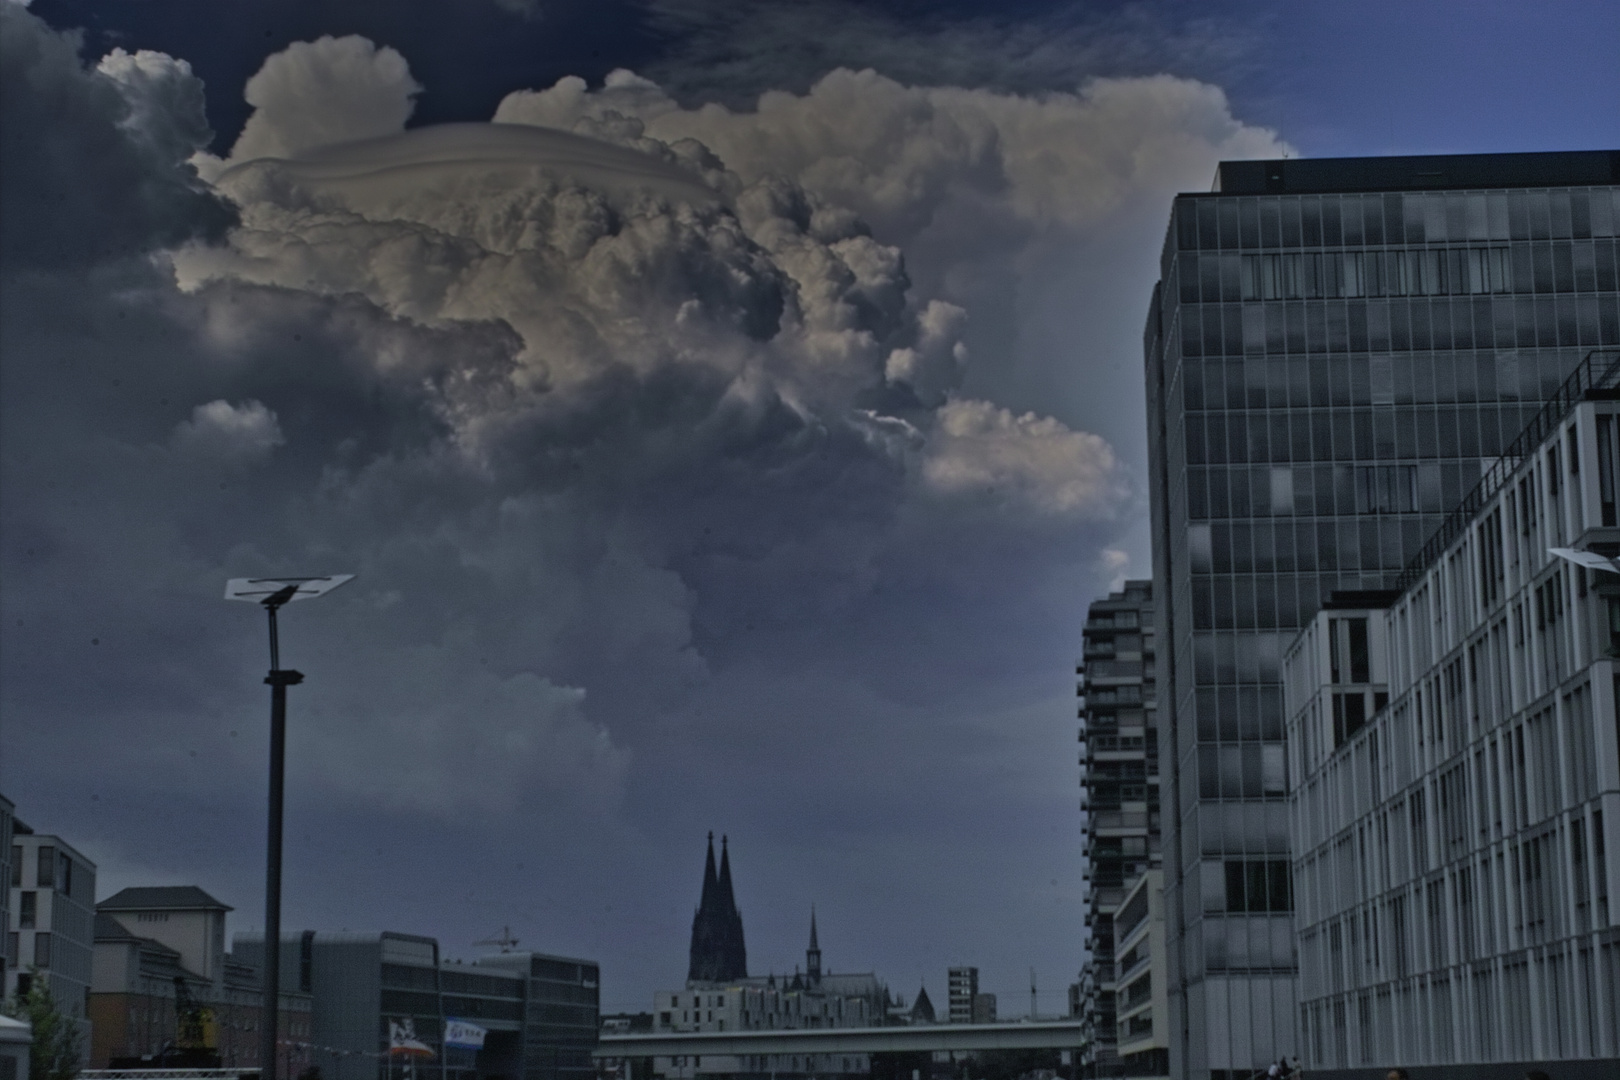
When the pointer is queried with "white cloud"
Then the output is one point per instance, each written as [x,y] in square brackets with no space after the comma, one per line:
[220,431]
[325,91]
[980,449]
[897,154]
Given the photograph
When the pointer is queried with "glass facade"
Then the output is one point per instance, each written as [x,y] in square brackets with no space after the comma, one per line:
[1328,374]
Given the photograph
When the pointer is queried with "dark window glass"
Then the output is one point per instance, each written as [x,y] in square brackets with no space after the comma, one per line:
[1270,224]
[1229,223]
[27,910]
[45,870]
[1187,225]
[1291,228]
[1310,208]
[1208,237]
[1249,225]
[1359,652]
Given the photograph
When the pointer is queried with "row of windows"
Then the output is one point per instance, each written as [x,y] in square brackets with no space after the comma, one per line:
[1300,491]
[53,869]
[1352,220]
[1245,771]
[1365,434]
[1581,266]
[1488,1015]
[41,950]
[1287,547]
[1299,382]
[1245,942]
[1267,601]
[1238,714]
[1301,326]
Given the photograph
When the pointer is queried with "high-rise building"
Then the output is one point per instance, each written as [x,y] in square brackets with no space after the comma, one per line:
[962,986]
[1120,781]
[1336,351]
[1456,844]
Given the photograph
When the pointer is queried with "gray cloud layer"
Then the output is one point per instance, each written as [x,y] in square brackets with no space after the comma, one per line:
[659,441]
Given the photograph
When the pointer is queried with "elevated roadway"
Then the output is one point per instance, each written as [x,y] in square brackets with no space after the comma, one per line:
[1033,1035]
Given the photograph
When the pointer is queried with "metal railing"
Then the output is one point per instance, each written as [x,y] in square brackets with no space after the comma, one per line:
[1598,370]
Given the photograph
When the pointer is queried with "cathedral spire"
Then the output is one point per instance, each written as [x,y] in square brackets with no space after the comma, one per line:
[726,899]
[812,955]
[710,885]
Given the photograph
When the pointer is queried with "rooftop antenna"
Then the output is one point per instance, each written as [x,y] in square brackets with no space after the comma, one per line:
[506,942]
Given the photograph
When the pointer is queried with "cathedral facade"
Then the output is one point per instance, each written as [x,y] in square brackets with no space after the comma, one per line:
[720,995]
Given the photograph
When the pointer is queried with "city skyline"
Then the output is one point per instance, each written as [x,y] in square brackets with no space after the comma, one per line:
[836,619]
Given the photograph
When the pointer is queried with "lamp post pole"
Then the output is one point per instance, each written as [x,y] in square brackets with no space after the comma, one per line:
[279,680]
[273,594]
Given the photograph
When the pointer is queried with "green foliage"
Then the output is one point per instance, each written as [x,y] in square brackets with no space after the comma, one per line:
[55,1054]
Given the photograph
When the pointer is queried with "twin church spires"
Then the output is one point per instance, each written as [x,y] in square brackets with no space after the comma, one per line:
[718,953]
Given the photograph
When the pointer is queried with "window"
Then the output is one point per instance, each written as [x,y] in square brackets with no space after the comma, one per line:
[1259,886]
[27,910]
[65,881]
[42,951]
[45,873]
[1349,714]
[1358,651]
[16,866]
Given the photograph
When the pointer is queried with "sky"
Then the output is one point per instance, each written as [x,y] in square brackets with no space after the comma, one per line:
[728,410]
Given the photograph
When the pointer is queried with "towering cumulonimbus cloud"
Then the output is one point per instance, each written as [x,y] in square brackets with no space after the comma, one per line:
[663,441]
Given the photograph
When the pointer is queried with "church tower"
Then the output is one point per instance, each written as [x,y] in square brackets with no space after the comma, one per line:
[812,955]
[718,953]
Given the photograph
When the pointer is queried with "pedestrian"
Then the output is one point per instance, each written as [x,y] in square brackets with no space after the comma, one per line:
[1397,1074]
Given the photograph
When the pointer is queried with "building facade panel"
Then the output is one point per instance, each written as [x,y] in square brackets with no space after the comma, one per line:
[1454,814]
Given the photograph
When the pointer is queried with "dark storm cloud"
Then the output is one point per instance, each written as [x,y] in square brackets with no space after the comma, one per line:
[98,151]
[650,448]
[732,53]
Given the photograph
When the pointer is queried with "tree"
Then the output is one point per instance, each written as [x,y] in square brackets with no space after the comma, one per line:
[56,1050]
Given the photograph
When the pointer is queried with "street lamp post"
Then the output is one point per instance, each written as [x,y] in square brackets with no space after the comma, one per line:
[273,594]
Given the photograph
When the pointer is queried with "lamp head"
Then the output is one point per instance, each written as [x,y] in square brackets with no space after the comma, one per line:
[274,592]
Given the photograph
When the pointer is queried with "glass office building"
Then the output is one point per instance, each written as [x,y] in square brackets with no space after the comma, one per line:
[1336,351]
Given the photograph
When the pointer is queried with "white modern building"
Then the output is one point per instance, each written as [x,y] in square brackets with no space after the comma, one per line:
[1142,1037]
[52,922]
[1455,804]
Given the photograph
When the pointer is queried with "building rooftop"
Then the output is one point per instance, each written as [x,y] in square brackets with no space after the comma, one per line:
[1300,176]
[159,897]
